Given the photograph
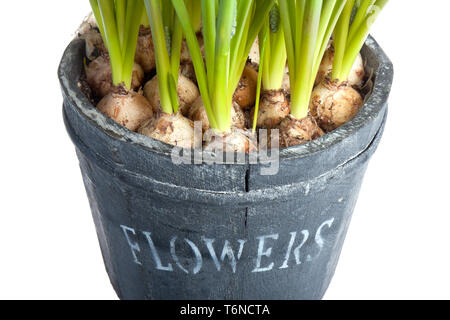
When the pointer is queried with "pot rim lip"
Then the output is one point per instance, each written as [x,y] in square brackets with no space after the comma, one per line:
[240,198]
[368,112]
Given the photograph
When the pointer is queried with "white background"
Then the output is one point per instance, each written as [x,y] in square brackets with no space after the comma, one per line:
[398,246]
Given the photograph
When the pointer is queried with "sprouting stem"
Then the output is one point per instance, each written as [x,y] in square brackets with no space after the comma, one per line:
[229,29]
[163,67]
[350,35]
[307,29]
[119,22]
[274,57]
[262,65]
[167,33]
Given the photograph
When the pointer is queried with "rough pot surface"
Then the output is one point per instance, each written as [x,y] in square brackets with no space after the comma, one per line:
[221,231]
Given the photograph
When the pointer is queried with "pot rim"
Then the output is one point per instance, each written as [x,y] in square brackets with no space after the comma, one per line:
[370,110]
[237,198]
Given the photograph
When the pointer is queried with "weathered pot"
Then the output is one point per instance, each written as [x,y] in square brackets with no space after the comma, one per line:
[220,231]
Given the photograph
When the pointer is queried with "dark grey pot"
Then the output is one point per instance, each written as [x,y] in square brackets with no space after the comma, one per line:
[220,231]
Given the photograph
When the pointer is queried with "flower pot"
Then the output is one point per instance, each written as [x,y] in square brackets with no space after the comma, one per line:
[220,231]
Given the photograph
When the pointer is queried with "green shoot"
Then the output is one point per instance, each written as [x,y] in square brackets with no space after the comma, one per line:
[229,29]
[350,36]
[262,49]
[144,21]
[119,22]
[274,58]
[195,12]
[167,38]
[307,25]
